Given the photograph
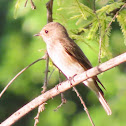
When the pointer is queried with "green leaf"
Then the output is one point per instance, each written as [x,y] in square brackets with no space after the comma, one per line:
[80,11]
[108,8]
[93,30]
[121,18]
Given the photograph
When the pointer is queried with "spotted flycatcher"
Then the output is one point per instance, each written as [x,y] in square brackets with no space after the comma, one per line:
[69,58]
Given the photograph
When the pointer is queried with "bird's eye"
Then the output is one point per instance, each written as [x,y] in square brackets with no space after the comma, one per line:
[46,31]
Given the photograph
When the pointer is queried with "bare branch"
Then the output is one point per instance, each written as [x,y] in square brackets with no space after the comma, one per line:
[40,109]
[43,58]
[46,73]
[26,3]
[63,100]
[100,36]
[51,73]
[49,7]
[63,87]
[32,4]
[84,105]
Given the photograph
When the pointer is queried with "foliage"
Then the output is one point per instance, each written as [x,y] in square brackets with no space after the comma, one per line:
[122,22]
[94,22]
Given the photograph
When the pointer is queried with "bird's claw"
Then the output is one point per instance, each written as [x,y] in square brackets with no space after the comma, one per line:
[71,79]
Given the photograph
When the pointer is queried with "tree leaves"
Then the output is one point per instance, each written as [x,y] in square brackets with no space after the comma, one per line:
[97,22]
[80,11]
[121,18]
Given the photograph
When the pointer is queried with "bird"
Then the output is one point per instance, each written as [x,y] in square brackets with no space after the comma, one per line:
[68,57]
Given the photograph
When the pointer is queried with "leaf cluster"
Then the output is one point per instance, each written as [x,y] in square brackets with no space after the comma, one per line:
[121,18]
[95,24]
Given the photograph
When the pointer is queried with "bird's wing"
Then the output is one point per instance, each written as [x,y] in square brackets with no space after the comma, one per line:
[77,54]
[74,50]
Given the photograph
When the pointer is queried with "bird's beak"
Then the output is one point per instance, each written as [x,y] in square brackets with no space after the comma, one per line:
[37,34]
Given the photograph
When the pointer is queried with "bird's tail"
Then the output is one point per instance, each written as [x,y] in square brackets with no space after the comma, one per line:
[96,89]
[104,103]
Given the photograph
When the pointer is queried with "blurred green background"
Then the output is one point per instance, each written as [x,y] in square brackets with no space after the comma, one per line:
[18,48]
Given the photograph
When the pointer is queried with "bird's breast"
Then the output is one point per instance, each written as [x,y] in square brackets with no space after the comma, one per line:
[66,63]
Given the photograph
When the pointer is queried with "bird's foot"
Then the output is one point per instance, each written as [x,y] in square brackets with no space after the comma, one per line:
[71,79]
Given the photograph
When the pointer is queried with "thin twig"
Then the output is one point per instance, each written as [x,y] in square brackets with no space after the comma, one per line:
[51,74]
[63,87]
[99,55]
[100,44]
[114,17]
[43,58]
[46,74]
[60,80]
[26,3]
[32,5]
[84,105]
[40,109]
[49,7]
[63,100]
[42,106]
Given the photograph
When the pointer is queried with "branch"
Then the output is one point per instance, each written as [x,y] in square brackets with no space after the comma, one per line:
[84,105]
[100,37]
[49,7]
[63,87]
[43,58]
[32,4]
[63,100]
[46,73]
